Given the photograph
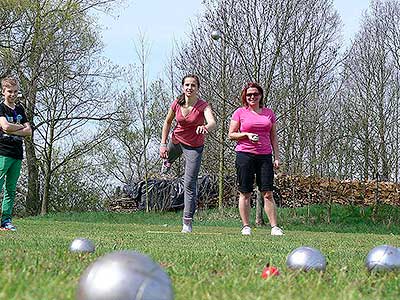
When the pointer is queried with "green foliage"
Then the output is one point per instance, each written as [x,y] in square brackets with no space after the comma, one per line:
[73,188]
[215,262]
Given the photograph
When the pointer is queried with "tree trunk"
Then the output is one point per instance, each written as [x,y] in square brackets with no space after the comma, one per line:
[46,189]
[222,136]
[47,172]
[32,200]
[33,196]
[259,209]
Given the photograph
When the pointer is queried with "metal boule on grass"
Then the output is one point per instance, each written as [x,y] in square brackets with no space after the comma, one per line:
[306,259]
[383,258]
[216,35]
[124,275]
[82,245]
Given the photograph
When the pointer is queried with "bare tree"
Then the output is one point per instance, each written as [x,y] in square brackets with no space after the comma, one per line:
[290,48]
[51,51]
[121,159]
[372,96]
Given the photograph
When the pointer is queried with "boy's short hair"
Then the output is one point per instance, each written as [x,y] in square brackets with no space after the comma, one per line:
[8,82]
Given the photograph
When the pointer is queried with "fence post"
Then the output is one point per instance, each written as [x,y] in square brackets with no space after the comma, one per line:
[376,198]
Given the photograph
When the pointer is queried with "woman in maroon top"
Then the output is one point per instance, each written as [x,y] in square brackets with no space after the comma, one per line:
[194,118]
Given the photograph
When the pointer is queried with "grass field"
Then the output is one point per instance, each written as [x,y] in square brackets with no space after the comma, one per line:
[215,262]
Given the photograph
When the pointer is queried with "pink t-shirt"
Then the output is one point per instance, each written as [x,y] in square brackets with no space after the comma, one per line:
[185,129]
[260,124]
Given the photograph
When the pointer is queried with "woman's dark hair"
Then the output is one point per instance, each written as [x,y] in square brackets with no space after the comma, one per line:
[181,98]
[252,85]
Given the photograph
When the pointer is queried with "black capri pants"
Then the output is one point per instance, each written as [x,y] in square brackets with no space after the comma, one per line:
[249,165]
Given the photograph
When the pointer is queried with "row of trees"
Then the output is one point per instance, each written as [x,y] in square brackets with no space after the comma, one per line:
[337,107]
[55,51]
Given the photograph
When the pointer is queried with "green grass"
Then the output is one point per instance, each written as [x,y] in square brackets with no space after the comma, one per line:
[214,263]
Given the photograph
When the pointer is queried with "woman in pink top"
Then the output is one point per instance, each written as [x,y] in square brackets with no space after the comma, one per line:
[194,118]
[254,128]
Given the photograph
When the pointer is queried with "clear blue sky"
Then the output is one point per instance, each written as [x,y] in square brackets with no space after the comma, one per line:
[154,19]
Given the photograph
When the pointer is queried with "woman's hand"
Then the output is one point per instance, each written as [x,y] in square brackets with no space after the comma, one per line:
[276,164]
[201,129]
[163,152]
[252,137]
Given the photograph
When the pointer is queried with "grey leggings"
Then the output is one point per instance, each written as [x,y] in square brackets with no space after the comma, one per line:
[192,167]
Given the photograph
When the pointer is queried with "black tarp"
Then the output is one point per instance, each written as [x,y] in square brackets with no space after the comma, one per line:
[167,194]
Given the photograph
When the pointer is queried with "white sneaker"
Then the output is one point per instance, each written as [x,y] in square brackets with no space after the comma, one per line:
[276,231]
[187,228]
[246,230]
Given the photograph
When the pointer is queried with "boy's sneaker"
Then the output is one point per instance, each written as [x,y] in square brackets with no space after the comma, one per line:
[276,231]
[246,230]
[8,226]
[187,228]
[166,166]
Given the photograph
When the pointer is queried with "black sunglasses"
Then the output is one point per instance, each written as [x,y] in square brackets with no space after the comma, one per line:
[252,94]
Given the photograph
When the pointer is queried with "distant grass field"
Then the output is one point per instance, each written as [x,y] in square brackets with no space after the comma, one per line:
[215,262]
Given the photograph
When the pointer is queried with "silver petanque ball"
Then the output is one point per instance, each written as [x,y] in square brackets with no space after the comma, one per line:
[124,275]
[215,35]
[306,259]
[383,258]
[82,245]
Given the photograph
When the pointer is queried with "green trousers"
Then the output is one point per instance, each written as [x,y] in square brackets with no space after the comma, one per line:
[10,168]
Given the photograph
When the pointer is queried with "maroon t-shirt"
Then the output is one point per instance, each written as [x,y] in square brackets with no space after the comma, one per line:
[185,129]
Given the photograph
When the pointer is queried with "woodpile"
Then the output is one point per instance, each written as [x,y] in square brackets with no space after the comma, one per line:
[123,204]
[290,191]
[297,191]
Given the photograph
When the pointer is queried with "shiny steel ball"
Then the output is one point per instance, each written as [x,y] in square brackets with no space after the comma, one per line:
[124,275]
[383,258]
[215,35]
[306,259]
[82,245]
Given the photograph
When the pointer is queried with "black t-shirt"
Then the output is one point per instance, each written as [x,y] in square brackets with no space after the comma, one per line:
[11,145]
